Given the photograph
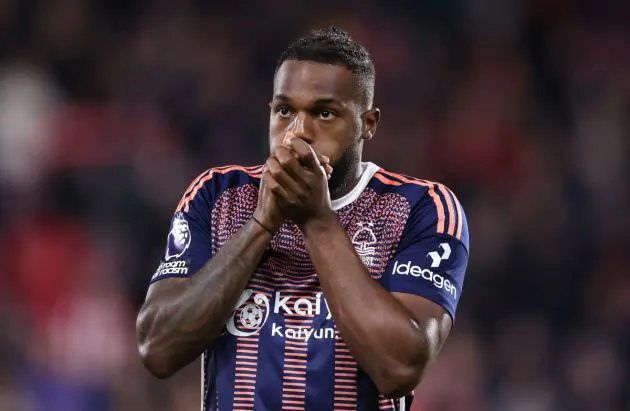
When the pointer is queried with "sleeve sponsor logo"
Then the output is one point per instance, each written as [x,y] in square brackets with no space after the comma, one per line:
[437,280]
[179,237]
[437,258]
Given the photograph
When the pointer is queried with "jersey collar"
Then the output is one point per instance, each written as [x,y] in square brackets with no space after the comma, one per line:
[367,175]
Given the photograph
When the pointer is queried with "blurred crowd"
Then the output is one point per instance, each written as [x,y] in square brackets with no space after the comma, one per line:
[109,109]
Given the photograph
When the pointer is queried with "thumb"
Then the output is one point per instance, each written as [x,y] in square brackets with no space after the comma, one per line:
[306,154]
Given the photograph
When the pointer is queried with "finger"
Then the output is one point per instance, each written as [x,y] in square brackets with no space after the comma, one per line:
[320,157]
[308,158]
[291,190]
[328,169]
[286,142]
[324,162]
[289,162]
[272,185]
[323,159]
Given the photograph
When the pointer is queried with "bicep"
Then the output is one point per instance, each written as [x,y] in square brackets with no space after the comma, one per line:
[433,320]
[165,289]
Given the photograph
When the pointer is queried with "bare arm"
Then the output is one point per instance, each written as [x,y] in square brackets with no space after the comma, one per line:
[182,317]
[402,333]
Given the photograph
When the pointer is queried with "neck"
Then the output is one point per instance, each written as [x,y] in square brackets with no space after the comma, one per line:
[345,177]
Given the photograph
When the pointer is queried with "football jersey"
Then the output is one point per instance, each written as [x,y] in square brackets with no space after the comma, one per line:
[280,348]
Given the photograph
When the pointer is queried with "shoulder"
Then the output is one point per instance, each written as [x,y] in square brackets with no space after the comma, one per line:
[211,182]
[435,209]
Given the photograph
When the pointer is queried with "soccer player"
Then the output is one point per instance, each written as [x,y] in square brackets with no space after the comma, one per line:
[315,281]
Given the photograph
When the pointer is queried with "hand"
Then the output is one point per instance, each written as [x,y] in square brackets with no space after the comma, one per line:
[324,161]
[298,179]
[268,211]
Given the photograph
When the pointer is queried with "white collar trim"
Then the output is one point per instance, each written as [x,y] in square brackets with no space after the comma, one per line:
[367,175]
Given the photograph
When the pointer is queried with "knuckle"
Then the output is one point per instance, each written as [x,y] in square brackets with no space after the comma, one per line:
[285,160]
[274,173]
[268,181]
[274,170]
[275,188]
[269,164]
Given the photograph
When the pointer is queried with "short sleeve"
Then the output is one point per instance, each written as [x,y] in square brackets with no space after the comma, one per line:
[188,243]
[431,261]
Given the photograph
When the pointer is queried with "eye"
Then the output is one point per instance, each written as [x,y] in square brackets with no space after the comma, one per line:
[326,115]
[283,111]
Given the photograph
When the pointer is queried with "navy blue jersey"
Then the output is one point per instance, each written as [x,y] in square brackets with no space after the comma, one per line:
[280,349]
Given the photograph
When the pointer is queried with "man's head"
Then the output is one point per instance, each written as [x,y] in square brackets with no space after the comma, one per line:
[323,93]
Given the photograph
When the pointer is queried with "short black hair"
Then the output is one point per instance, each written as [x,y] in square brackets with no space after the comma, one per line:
[332,45]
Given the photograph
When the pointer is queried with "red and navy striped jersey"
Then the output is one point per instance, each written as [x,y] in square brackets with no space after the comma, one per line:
[280,349]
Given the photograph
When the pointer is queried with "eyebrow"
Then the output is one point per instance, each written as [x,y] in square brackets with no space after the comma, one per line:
[318,102]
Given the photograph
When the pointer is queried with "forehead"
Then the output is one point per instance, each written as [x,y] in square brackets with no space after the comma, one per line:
[308,80]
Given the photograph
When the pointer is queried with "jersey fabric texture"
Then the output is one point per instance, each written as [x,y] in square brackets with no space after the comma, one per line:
[280,349]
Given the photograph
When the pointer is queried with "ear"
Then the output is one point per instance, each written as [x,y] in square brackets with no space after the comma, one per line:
[370,121]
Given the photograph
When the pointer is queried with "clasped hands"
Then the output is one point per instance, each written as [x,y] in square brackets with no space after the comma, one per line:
[294,185]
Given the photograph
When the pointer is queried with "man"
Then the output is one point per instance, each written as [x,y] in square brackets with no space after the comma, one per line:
[316,281]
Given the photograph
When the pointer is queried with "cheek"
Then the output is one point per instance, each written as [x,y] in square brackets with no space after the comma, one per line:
[274,143]
[334,145]
[274,124]
[276,134]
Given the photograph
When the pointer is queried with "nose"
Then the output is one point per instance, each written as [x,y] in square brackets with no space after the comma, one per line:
[299,128]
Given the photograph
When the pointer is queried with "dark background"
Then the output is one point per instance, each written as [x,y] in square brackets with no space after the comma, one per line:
[109,109]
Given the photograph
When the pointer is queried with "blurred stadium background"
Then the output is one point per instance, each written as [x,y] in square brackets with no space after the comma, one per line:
[109,108]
